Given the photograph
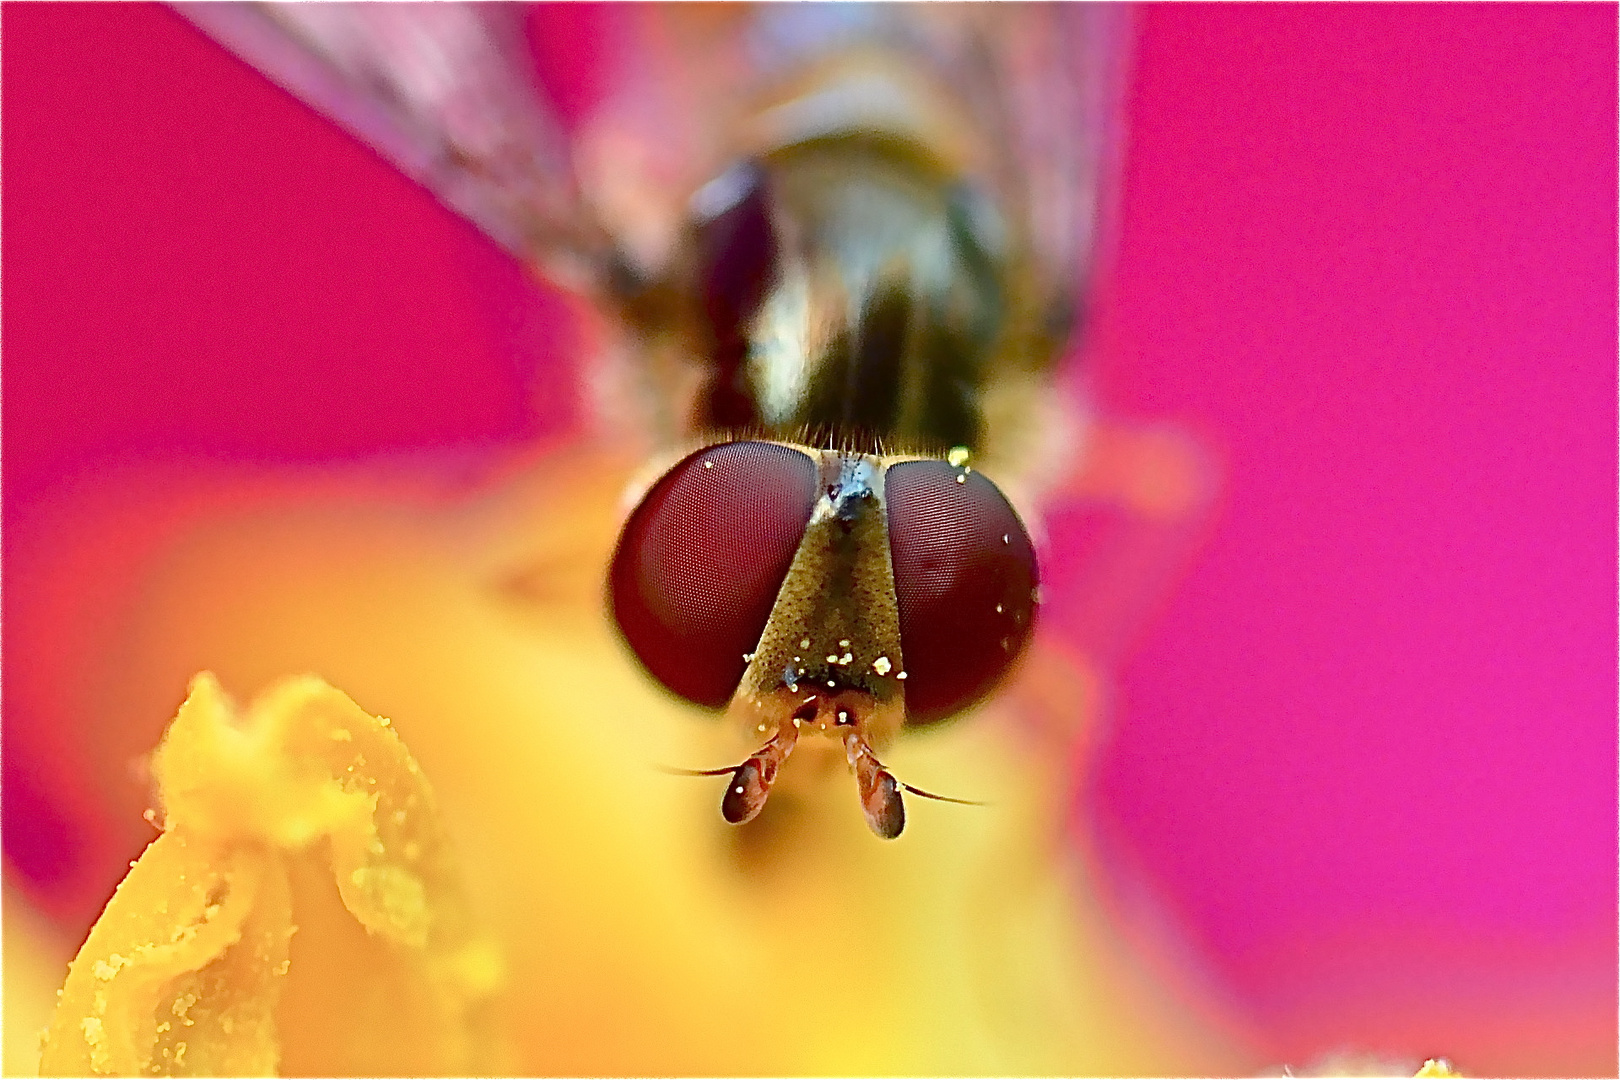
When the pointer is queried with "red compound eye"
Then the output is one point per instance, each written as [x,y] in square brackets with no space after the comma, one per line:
[701,560]
[964,576]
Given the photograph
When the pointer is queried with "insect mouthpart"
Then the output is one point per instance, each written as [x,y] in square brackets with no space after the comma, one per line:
[824,593]
[843,716]
[848,716]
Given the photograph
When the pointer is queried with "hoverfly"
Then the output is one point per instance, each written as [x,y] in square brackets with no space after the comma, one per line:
[847,289]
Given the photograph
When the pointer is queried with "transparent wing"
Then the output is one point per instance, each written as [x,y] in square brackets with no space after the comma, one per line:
[447,93]
[1052,82]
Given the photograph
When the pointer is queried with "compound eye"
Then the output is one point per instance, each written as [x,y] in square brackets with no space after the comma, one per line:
[700,562]
[964,578]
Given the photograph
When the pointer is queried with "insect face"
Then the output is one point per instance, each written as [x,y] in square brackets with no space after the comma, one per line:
[824,593]
[859,222]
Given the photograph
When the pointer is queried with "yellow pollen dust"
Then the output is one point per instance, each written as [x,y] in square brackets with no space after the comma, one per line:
[958,456]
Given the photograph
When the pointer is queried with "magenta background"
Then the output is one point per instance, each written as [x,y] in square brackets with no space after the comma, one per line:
[1370,750]
[1367,757]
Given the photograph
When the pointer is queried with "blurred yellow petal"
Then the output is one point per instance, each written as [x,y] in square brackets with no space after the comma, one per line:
[642,934]
[301,911]
[36,954]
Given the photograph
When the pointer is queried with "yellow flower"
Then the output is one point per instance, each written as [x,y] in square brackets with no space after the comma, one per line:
[638,933]
[307,808]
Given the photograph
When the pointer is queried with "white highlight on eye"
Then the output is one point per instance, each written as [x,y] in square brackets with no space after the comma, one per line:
[1005,539]
[738,789]
[998,609]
